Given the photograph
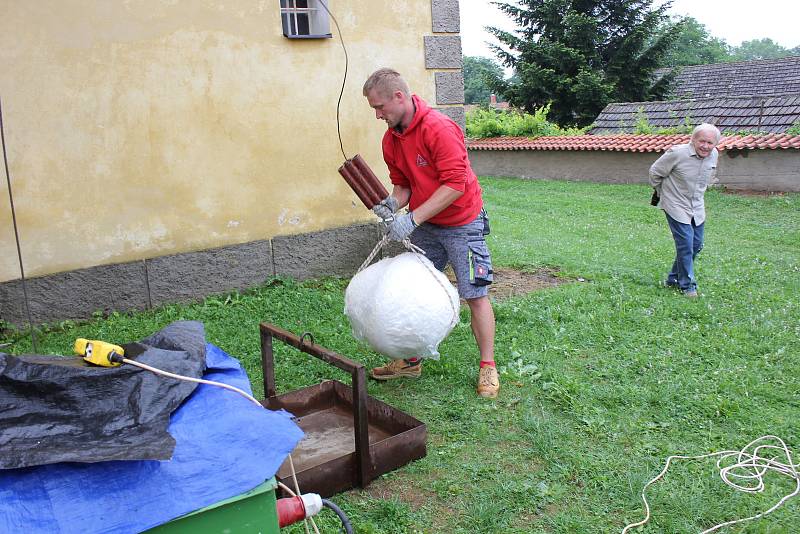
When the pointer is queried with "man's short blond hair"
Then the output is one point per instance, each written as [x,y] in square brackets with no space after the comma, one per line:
[386,81]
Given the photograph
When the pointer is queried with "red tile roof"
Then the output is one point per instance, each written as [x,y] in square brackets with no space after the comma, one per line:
[771,141]
[629,142]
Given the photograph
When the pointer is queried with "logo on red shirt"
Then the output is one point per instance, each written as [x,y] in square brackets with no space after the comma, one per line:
[421,161]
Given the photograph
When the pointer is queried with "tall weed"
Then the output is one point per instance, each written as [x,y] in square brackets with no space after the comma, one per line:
[484,122]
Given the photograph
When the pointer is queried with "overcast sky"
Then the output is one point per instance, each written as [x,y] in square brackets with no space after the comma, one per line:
[732,20]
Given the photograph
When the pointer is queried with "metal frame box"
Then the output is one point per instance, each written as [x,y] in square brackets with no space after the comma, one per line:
[351,438]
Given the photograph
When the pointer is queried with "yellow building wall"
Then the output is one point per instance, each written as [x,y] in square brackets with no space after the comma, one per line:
[142,128]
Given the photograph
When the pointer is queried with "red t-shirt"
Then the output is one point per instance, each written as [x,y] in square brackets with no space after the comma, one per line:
[431,153]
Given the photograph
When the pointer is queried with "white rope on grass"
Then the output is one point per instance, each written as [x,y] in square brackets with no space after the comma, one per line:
[748,468]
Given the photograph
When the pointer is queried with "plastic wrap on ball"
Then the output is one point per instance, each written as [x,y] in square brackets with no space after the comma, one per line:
[402,307]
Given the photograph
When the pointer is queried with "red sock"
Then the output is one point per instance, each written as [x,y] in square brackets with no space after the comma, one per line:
[412,360]
[487,363]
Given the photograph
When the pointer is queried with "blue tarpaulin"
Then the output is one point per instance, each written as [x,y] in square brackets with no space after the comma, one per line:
[226,445]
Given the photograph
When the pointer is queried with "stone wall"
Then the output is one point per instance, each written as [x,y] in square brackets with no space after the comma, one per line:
[152,282]
[756,170]
[443,56]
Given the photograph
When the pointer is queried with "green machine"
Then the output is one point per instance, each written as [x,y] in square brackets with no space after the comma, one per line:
[251,512]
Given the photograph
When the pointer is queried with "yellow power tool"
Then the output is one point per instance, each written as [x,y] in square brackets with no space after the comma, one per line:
[99,352]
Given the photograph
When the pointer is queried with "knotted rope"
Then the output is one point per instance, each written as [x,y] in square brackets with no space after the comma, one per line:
[411,247]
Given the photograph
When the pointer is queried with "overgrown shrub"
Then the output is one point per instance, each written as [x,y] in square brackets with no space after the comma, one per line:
[486,122]
[643,126]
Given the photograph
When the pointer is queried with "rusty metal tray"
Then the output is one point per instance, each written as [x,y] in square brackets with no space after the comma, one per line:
[350,439]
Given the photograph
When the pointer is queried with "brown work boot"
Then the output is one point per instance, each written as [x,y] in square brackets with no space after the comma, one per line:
[398,369]
[488,382]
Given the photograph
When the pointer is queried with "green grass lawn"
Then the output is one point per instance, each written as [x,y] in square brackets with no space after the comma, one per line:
[601,379]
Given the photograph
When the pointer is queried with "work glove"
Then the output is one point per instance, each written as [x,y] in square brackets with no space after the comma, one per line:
[401,227]
[385,210]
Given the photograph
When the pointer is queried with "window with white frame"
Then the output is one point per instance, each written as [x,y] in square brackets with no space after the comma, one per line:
[305,19]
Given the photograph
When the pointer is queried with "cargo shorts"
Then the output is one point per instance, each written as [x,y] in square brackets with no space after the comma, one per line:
[464,248]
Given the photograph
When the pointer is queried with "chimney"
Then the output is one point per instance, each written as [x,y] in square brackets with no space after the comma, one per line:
[492,100]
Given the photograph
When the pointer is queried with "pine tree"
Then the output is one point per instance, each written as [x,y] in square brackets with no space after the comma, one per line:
[579,55]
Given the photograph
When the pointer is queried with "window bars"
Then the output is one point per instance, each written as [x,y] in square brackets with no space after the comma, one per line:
[305,19]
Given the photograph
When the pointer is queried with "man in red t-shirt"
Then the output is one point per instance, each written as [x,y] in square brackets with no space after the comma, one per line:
[430,173]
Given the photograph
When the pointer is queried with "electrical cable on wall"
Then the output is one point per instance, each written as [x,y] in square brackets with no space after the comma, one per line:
[16,231]
[11,198]
[344,79]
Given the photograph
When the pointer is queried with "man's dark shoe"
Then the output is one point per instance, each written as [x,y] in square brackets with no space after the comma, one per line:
[398,369]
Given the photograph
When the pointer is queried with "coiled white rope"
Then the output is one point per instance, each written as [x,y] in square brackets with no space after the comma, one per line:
[748,469]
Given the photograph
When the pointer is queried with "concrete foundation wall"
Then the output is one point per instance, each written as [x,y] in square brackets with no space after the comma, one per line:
[148,283]
[757,170]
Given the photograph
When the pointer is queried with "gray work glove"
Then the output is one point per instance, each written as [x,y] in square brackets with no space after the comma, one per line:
[385,210]
[401,227]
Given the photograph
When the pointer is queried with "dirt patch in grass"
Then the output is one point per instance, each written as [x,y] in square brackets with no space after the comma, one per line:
[405,489]
[399,487]
[512,283]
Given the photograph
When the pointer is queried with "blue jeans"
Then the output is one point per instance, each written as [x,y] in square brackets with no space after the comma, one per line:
[688,242]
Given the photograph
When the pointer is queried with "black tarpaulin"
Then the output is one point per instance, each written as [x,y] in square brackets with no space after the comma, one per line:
[62,409]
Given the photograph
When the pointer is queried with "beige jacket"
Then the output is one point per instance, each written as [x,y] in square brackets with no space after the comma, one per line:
[681,177]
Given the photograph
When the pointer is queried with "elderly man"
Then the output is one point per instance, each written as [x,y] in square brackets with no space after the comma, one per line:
[680,177]
[428,166]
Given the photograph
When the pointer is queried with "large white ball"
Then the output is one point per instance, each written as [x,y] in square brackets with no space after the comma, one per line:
[402,307]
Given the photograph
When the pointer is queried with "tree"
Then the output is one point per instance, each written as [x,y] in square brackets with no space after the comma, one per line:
[761,49]
[579,55]
[477,70]
[695,46]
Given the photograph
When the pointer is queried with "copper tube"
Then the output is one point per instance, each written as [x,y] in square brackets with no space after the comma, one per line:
[361,180]
[369,179]
[362,194]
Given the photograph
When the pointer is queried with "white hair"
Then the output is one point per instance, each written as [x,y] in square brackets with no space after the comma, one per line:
[706,127]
